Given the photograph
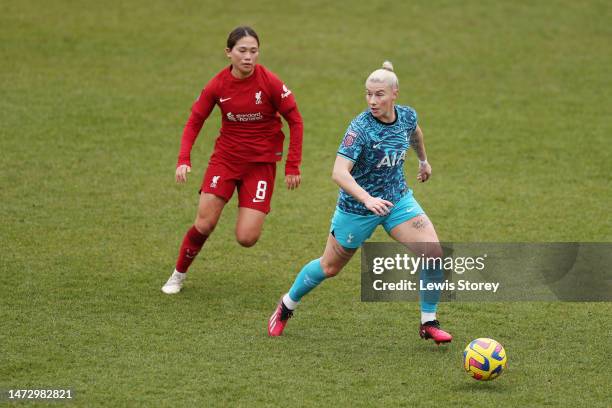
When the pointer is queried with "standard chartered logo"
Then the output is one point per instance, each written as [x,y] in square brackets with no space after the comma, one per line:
[244,117]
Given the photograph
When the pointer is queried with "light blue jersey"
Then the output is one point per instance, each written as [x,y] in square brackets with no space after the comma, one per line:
[378,150]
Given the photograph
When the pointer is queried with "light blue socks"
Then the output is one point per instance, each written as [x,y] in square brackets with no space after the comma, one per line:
[309,278]
[429,298]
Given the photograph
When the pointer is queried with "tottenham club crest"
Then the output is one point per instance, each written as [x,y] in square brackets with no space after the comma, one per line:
[258,98]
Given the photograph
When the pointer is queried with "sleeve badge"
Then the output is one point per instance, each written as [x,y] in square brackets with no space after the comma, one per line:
[349,138]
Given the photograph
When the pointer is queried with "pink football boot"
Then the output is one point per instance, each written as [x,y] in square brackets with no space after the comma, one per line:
[432,330]
[278,320]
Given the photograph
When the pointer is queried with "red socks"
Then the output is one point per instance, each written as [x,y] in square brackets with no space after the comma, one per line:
[192,243]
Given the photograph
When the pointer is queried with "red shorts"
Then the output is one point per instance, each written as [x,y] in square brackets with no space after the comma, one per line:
[254,181]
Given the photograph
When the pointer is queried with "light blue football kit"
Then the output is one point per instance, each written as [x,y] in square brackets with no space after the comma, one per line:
[378,151]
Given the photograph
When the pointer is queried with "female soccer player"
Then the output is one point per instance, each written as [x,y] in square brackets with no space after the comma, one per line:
[249,144]
[373,191]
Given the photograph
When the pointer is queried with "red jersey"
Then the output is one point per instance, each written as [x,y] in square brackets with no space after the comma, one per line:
[250,124]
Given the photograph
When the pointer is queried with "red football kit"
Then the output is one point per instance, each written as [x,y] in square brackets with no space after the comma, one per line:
[250,141]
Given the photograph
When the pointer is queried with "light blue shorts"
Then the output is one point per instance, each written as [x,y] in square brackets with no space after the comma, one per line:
[352,230]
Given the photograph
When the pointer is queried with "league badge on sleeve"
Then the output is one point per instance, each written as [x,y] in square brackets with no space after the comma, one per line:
[349,138]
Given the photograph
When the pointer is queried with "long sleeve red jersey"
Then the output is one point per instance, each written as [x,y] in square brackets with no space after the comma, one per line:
[250,124]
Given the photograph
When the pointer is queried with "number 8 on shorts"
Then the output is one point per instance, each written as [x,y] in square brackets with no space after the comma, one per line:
[260,194]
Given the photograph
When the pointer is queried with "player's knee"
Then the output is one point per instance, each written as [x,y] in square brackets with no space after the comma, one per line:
[247,240]
[204,226]
[434,251]
[330,269]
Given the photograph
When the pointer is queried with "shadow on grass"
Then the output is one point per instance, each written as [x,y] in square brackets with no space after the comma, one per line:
[484,387]
[428,346]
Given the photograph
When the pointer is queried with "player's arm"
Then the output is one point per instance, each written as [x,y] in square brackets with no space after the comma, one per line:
[418,143]
[190,134]
[284,102]
[294,156]
[343,177]
[199,113]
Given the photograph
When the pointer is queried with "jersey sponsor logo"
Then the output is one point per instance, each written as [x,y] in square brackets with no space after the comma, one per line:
[286,92]
[215,180]
[244,117]
[221,100]
[391,159]
[349,138]
[258,98]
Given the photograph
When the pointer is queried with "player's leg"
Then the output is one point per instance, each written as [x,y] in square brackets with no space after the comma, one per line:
[419,235]
[334,258]
[249,226]
[347,233]
[209,211]
[254,198]
[409,225]
[217,188]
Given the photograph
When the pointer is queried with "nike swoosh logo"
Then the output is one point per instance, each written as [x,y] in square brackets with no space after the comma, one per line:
[409,209]
[257,201]
[221,100]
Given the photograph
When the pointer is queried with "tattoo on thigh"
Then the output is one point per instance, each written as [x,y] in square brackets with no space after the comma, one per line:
[420,224]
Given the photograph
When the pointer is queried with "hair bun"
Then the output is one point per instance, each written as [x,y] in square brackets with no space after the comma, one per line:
[388,66]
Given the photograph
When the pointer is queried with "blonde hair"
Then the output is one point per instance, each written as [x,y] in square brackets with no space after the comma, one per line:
[385,75]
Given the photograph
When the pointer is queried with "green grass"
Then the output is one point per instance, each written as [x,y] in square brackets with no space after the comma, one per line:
[512,97]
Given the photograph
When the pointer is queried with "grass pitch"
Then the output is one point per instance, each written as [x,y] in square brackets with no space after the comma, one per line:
[512,98]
